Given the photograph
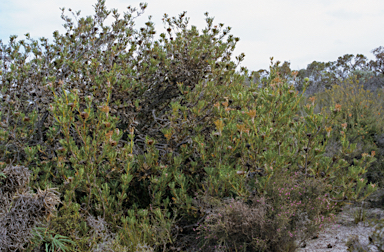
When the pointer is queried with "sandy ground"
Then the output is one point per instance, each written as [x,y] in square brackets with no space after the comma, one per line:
[334,237]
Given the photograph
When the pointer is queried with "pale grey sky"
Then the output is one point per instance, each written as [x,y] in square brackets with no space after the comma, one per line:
[298,31]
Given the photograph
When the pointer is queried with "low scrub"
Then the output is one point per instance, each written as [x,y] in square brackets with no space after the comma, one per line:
[157,145]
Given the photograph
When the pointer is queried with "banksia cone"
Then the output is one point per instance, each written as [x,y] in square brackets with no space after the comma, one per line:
[105,109]
[337,108]
[84,115]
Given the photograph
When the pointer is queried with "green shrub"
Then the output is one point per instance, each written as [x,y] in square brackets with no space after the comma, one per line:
[362,121]
[274,222]
[148,136]
[97,121]
[261,145]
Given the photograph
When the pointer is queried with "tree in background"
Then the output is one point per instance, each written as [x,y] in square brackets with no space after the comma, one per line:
[148,142]
[323,75]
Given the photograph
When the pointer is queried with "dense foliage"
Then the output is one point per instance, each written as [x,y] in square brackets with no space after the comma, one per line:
[159,145]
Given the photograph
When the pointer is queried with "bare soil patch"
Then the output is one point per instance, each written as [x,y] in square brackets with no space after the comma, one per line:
[334,237]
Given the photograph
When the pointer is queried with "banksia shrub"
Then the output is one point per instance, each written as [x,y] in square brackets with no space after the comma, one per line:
[106,115]
[260,143]
[361,120]
[134,132]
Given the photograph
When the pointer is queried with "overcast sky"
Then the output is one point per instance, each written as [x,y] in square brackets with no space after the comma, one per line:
[298,31]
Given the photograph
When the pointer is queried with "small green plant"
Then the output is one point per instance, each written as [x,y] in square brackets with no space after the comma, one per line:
[377,236]
[353,244]
[49,241]
[359,214]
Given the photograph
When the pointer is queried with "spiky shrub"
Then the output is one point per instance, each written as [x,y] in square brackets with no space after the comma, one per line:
[279,222]
[262,150]
[362,121]
[96,115]
[123,127]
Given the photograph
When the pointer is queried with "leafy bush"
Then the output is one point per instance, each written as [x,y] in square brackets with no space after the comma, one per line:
[362,121]
[149,136]
[260,148]
[89,114]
